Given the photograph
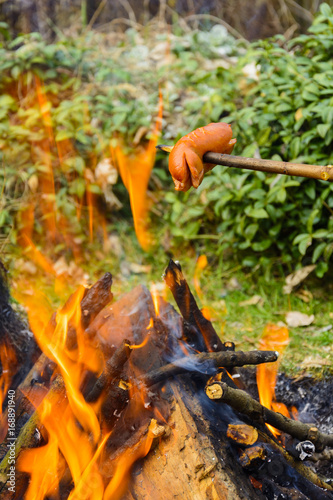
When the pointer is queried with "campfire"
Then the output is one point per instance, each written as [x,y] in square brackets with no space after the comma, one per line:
[129,398]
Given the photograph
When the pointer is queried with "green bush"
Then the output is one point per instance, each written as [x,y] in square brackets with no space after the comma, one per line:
[285,114]
[102,86]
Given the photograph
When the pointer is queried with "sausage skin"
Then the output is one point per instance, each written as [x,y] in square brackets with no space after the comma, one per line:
[186,158]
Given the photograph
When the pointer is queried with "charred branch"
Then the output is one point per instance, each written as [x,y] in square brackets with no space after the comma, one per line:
[17,344]
[95,299]
[113,368]
[204,362]
[300,467]
[191,313]
[244,403]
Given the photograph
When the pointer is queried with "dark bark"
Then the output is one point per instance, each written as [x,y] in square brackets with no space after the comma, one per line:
[199,327]
[244,403]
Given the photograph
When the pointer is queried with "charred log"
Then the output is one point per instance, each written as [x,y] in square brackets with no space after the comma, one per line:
[200,329]
[244,403]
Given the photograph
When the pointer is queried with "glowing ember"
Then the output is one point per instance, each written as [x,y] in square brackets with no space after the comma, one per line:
[274,338]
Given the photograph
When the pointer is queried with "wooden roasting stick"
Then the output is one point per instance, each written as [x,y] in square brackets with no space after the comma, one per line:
[321,172]
[324,173]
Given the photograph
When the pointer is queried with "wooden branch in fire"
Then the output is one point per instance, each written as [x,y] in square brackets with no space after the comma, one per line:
[241,401]
[196,362]
[191,313]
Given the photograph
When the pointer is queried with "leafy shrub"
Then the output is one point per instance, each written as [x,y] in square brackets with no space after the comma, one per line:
[284,114]
[101,86]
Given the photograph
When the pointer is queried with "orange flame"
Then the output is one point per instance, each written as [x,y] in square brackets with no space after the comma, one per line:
[8,366]
[200,266]
[50,156]
[135,170]
[118,484]
[274,338]
[69,422]
[68,408]
[44,158]
[155,297]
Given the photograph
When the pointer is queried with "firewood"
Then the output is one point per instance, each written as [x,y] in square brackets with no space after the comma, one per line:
[201,327]
[113,368]
[204,362]
[95,299]
[30,435]
[301,468]
[244,403]
[191,462]
[243,434]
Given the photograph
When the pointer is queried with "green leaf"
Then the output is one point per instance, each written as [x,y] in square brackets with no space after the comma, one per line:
[314,214]
[310,190]
[250,231]
[321,269]
[304,244]
[3,217]
[263,136]
[301,237]
[64,134]
[281,195]
[256,213]
[318,251]
[260,246]
[323,128]
[321,233]
[326,10]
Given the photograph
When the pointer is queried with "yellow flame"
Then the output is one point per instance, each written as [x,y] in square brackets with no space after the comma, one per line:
[8,365]
[118,484]
[274,338]
[200,266]
[155,297]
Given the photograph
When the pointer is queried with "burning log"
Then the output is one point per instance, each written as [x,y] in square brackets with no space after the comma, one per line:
[200,328]
[182,434]
[244,403]
[113,368]
[18,349]
[95,299]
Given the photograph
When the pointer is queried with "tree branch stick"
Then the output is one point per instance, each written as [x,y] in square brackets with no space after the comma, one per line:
[301,468]
[196,362]
[244,403]
[190,311]
[324,173]
[112,370]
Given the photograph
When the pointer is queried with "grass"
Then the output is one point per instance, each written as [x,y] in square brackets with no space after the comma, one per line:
[222,291]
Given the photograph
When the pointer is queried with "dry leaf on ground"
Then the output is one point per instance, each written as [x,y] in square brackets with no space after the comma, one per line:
[315,362]
[304,295]
[296,318]
[139,268]
[297,277]
[253,301]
